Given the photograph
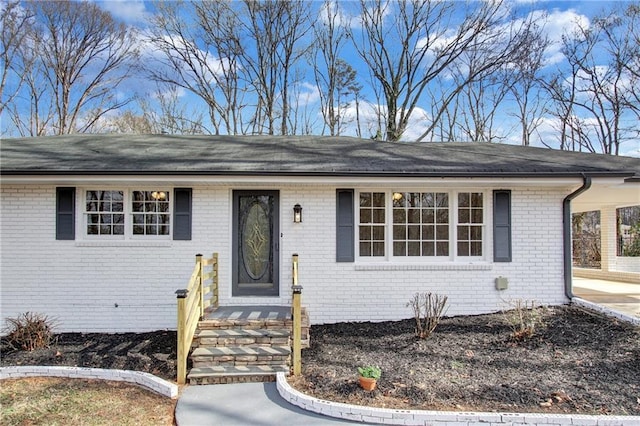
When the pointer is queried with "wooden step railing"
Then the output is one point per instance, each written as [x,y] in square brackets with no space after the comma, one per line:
[296,313]
[201,293]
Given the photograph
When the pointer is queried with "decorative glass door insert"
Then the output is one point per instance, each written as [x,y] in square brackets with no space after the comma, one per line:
[255,243]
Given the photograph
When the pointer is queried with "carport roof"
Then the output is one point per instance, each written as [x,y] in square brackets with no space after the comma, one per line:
[118,154]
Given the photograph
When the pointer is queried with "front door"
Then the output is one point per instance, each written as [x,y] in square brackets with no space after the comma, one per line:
[255,243]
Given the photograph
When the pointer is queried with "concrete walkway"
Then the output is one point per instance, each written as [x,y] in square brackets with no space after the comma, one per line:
[255,404]
[617,296]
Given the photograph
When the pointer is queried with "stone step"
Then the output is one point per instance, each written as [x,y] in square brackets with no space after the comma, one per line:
[241,337]
[234,374]
[240,355]
[228,323]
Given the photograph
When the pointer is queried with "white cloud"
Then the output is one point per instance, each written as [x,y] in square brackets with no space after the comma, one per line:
[557,24]
[131,11]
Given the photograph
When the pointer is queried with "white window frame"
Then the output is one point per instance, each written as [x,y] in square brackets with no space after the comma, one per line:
[453,256]
[128,214]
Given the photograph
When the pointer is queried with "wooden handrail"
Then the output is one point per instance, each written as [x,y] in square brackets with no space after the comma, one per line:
[201,292]
[296,313]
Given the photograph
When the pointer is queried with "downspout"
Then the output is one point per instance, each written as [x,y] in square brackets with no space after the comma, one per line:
[566,219]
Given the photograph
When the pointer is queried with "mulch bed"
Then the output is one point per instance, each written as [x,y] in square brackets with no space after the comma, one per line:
[153,352]
[578,362]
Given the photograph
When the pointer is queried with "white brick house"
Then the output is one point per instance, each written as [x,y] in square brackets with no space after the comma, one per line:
[98,231]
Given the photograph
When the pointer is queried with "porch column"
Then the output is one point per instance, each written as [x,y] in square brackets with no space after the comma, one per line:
[608,238]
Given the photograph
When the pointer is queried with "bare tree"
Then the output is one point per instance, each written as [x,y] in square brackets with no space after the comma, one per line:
[81,56]
[15,26]
[335,78]
[525,82]
[603,98]
[274,32]
[200,49]
[408,44]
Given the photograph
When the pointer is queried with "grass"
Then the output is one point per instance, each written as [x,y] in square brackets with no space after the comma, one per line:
[57,401]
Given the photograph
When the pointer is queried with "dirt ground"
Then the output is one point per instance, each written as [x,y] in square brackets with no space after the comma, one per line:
[577,362]
[153,352]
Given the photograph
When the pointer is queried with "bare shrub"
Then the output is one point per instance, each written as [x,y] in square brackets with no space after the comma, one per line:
[525,319]
[428,309]
[30,331]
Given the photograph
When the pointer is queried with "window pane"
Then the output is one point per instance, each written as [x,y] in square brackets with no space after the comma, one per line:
[365,199]
[427,249]
[463,248]
[399,232]
[442,216]
[428,232]
[151,230]
[365,216]
[163,230]
[414,232]
[149,207]
[399,216]
[365,233]
[138,219]
[379,199]
[463,216]
[413,216]
[93,219]
[476,199]
[428,199]
[92,230]
[476,249]
[399,249]
[378,249]
[476,233]
[476,216]
[118,229]
[442,232]
[428,216]
[413,199]
[137,207]
[413,248]
[378,233]
[442,249]
[378,216]
[138,230]
[365,249]
[442,199]
[463,233]
[463,199]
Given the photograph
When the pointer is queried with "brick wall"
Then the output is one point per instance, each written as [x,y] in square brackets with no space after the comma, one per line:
[81,282]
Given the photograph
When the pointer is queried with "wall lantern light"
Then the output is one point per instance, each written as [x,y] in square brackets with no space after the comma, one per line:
[297,213]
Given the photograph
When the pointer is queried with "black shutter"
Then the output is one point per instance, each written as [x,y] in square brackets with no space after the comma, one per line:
[65,213]
[345,250]
[502,226]
[182,214]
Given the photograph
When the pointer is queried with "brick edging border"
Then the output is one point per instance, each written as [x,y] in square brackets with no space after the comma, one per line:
[604,310]
[375,415]
[145,380]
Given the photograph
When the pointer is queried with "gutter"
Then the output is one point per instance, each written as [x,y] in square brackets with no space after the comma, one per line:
[566,222]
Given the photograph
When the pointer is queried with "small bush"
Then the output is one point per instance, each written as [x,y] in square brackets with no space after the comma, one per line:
[524,319]
[428,309]
[30,331]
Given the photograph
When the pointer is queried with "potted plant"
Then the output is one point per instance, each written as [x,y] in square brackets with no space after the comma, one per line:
[369,376]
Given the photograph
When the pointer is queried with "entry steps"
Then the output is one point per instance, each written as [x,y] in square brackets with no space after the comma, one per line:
[243,344]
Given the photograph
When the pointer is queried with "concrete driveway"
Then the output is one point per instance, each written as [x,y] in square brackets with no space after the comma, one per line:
[617,296]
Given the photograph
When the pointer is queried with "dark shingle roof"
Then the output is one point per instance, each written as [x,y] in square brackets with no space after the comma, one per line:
[296,155]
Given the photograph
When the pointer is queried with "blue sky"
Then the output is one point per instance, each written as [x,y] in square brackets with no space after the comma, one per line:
[561,15]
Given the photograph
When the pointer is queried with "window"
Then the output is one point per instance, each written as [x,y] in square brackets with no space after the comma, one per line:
[120,213]
[372,223]
[422,225]
[150,212]
[470,224]
[105,212]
